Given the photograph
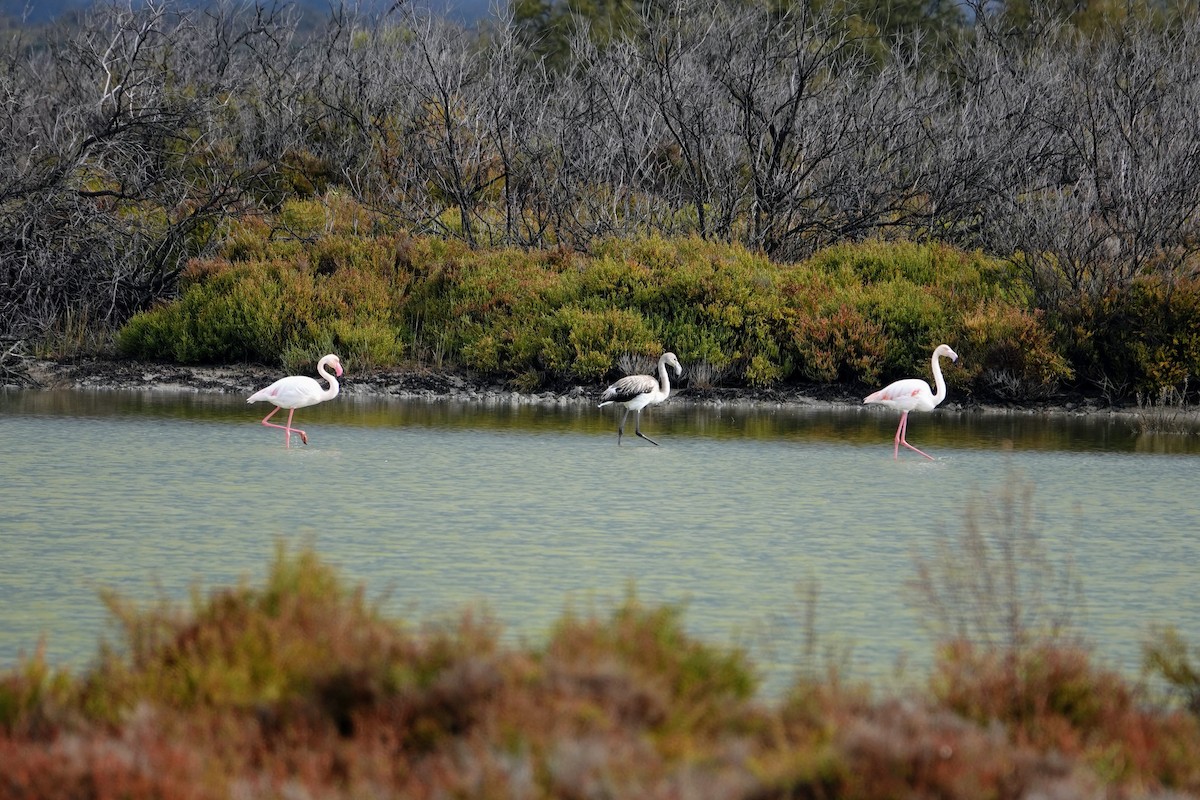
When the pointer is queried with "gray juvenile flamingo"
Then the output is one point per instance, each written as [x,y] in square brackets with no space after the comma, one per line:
[635,392]
[298,391]
[914,394]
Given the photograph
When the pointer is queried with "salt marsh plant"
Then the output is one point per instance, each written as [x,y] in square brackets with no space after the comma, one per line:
[1002,606]
[996,583]
[1167,655]
[1170,412]
[851,315]
[301,685]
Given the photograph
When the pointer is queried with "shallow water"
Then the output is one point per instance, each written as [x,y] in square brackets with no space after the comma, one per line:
[530,510]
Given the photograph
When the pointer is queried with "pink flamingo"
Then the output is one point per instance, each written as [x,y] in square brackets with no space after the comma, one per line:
[913,394]
[635,392]
[298,391]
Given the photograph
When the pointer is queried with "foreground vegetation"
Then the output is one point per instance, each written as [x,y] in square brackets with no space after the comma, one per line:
[301,687]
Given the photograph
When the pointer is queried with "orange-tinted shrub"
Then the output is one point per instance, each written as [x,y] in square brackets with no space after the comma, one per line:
[1052,698]
[1011,353]
[840,346]
[1144,337]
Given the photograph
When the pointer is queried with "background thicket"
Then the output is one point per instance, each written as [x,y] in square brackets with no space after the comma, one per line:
[1057,138]
[852,314]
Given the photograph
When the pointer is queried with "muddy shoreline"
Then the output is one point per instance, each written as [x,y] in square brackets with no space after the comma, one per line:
[429,384]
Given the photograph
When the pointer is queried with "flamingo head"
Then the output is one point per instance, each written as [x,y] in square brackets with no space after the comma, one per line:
[943,350]
[671,359]
[332,361]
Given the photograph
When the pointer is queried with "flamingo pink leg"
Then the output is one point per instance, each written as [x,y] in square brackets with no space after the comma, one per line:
[288,429]
[901,431]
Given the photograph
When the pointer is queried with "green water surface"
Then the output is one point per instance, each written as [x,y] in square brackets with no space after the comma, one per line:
[529,510]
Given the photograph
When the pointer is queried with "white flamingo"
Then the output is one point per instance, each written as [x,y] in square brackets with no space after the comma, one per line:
[914,394]
[298,391]
[635,392]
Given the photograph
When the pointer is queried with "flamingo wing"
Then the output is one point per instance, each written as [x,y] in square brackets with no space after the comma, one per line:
[906,395]
[294,391]
[628,388]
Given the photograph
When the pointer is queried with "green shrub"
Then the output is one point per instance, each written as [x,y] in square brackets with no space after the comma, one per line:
[706,302]
[250,240]
[610,276]
[363,345]
[874,312]
[303,218]
[1168,656]
[242,647]
[838,346]
[951,273]
[854,313]
[881,262]
[1012,352]
[491,310]
[30,694]
[586,344]
[233,316]
[692,339]
[1145,337]
[341,296]
[703,684]
[308,174]
[914,319]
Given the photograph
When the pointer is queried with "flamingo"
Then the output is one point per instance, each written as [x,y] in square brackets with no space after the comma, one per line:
[913,394]
[635,392]
[298,391]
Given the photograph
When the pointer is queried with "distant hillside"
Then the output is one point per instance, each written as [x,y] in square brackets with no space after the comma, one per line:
[39,12]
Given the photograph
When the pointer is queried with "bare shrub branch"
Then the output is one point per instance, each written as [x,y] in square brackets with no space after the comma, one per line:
[995,583]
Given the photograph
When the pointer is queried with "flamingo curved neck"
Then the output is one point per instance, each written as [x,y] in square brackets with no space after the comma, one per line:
[938,381]
[664,381]
[332,391]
